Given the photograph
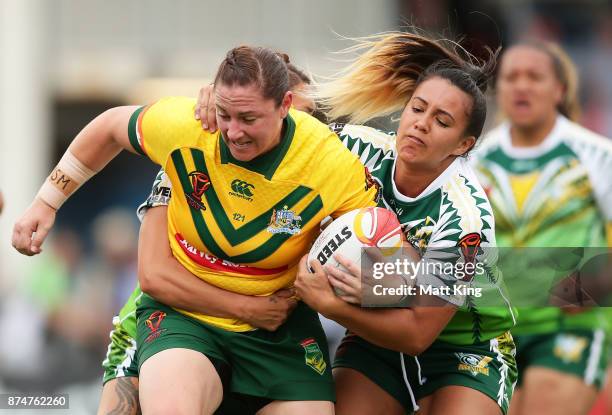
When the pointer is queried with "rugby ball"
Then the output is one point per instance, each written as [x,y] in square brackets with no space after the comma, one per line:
[355,230]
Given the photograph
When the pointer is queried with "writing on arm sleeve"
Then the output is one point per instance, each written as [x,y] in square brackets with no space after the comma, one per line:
[160,195]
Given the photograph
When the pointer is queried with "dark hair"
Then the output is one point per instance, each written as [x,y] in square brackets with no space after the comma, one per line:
[297,76]
[472,80]
[390,66]
[246,65]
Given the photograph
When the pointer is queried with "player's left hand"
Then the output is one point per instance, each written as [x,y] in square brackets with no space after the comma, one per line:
[347,283]
[314,288]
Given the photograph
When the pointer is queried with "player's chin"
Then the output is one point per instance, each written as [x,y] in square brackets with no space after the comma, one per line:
[243,149]
[409,154]
[245,154]
[525,120]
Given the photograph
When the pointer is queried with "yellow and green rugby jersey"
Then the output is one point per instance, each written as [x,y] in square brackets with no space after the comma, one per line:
[558,194]
[244,226]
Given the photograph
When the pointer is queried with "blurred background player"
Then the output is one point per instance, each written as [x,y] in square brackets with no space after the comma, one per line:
[548,181]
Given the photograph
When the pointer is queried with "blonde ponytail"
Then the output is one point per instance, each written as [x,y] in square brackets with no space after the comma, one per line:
[382,78]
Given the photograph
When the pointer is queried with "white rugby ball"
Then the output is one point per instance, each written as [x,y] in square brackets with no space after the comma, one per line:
[353,231]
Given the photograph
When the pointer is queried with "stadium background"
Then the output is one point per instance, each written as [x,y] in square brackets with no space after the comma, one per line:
[64,61]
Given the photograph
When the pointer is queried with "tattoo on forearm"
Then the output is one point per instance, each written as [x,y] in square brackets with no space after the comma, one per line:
[127,398]
[273,299]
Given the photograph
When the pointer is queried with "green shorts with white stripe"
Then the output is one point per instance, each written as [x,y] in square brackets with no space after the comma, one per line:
[393,372]
[121,358]
[488,367]
[578,352]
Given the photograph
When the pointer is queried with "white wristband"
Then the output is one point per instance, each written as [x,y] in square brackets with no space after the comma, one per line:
[64,180]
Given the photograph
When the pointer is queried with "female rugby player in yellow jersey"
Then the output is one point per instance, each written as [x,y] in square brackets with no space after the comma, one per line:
[163,278]
[546,178]
[296,173]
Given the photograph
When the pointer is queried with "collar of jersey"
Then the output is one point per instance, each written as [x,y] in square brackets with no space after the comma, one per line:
[433,186]
[267,163]
[550,142]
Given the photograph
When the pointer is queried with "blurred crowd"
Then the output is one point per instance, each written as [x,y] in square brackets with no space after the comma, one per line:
[55,326]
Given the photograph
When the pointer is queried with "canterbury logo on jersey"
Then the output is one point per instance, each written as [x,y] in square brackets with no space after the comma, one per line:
[242,189]
[216,215]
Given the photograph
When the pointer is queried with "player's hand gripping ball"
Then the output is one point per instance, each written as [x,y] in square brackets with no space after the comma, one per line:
[355,230]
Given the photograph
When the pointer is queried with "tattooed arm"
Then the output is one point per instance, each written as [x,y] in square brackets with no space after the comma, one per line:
[120,397]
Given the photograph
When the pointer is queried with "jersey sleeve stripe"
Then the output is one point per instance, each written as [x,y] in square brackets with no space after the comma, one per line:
[134,132]
[139,128]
